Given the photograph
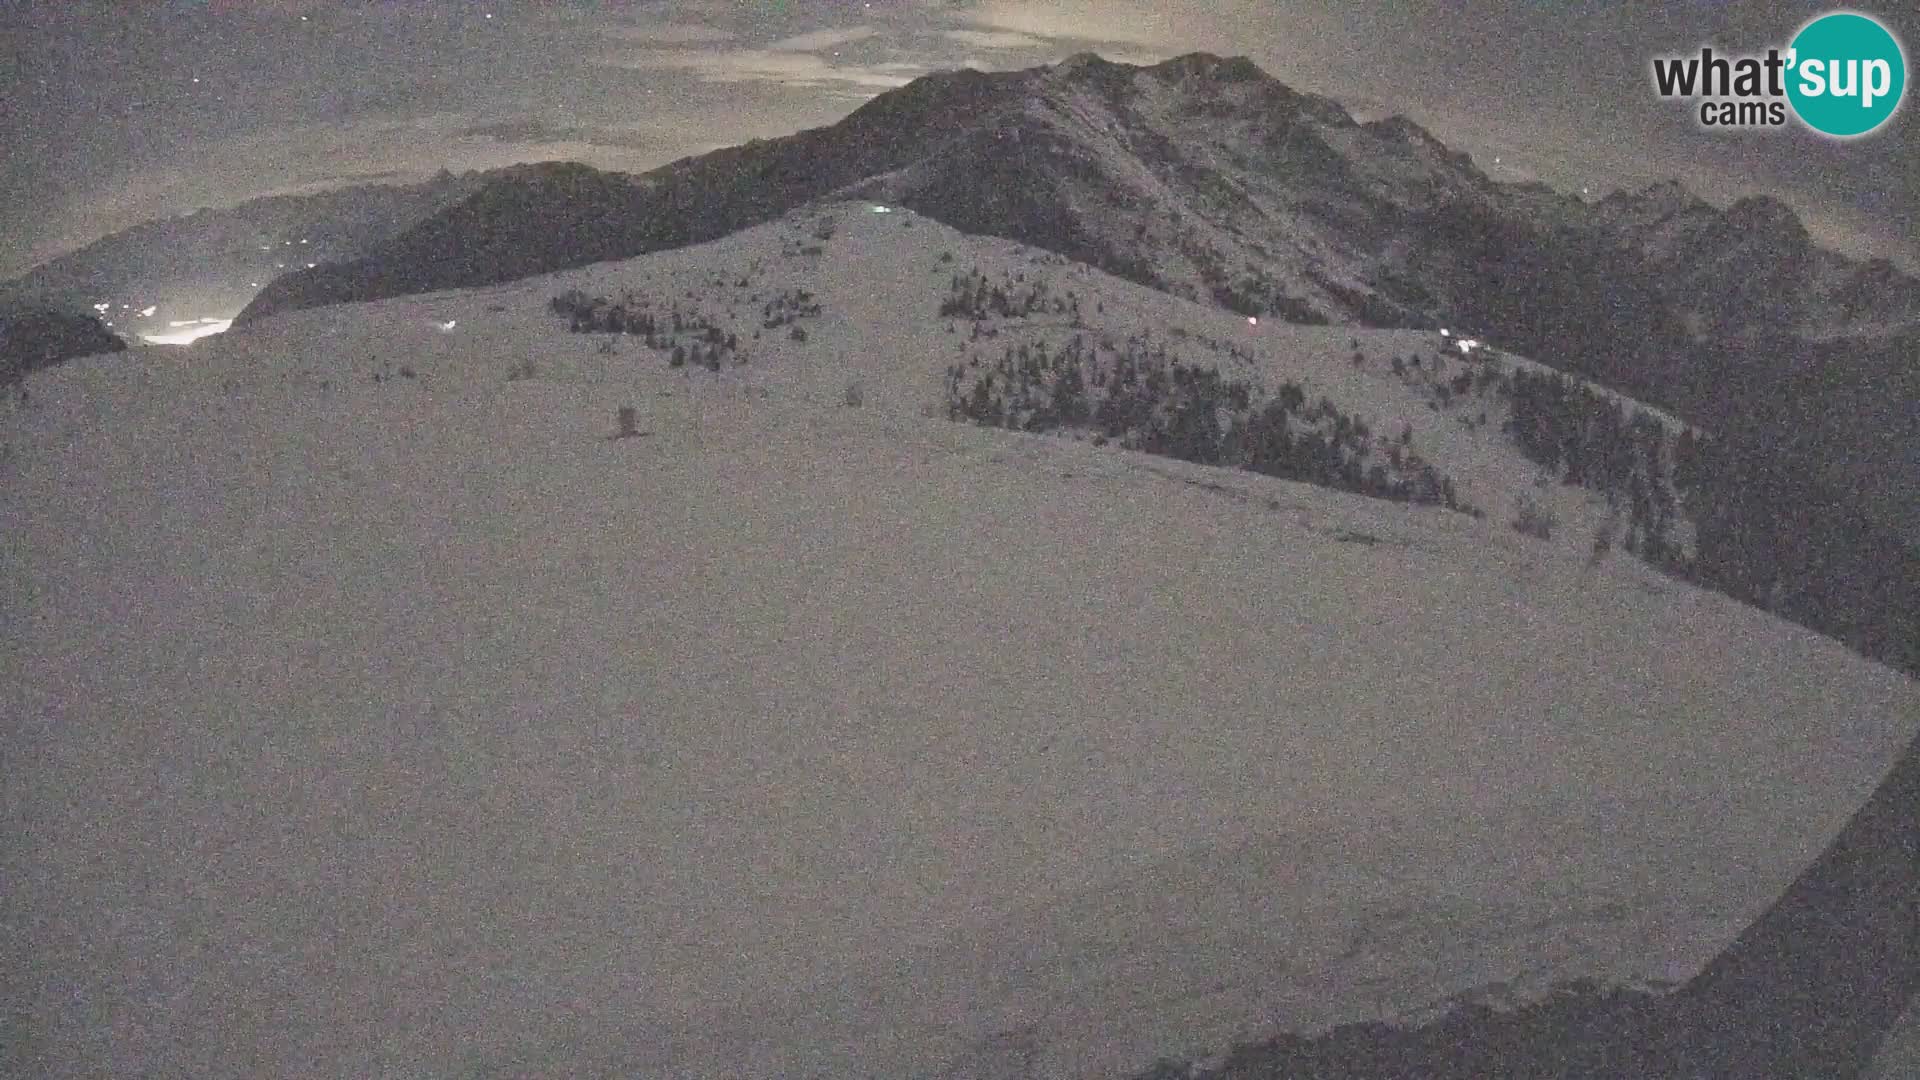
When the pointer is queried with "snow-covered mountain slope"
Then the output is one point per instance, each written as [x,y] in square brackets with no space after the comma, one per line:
[372,712]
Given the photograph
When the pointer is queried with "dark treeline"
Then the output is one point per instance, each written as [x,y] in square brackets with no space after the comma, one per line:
[1768,531]
[683,337]
[972,295]
[1586,438]
[1142,397]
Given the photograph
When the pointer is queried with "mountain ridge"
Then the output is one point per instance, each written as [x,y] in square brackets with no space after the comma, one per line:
[1206,178]
[1391,165]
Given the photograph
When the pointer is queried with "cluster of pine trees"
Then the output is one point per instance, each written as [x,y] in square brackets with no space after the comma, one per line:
[1231,350]
[1772,532]
[1252,292]
[1587,439]
[1767,531]
[683,337]
[973,296]
[1147,399]
[786,307]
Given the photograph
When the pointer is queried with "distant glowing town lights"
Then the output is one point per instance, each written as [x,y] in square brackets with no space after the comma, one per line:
[147,312]
[196,329]
[1253,320]
[449,325]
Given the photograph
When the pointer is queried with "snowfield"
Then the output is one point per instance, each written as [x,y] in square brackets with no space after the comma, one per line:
[413,727]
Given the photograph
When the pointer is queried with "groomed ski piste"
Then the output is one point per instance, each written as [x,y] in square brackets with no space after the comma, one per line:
[372,712]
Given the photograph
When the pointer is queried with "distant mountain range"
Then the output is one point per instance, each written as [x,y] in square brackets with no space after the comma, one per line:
[1201,176]
[210,263]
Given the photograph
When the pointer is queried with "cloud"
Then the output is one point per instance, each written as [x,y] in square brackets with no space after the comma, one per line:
[533,131]
[996,39]
[341,179]
[820,40]
[307,158]
[520,131]
[792,69]
[669,34]
[1127,23]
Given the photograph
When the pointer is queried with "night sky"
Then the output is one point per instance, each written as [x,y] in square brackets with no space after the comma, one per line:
[118,113]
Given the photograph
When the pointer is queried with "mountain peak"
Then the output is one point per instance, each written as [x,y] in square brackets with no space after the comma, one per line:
[1082,61]
[1209,66]
[1765,212]
[1667,194]
[1401,129]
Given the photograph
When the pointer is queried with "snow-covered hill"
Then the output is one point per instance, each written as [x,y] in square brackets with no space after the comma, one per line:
[372,712]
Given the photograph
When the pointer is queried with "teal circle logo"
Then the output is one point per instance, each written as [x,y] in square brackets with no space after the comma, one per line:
[1846,74]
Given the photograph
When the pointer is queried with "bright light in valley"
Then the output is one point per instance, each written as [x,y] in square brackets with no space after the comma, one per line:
[449,324]
[147,312]
[196,329]
[103,307]
[1253,320]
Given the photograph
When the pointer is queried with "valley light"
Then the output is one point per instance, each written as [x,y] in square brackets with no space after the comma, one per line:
[449,324]
[147,312]
[1443,332]
[882,209]
[102,307]
[312,265]
[200,328]
[1253,320]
